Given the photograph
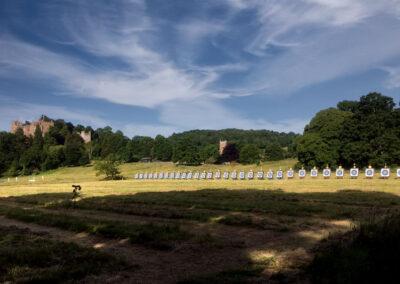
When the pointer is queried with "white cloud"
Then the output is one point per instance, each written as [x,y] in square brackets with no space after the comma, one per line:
[211,114]
[394,77]
[288,23]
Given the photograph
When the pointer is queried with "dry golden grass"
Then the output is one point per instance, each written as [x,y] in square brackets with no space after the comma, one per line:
[60,180]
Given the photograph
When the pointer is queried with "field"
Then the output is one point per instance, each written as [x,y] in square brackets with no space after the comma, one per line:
[169,231]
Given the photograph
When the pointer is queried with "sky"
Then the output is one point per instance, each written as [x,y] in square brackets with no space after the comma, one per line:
[159,67]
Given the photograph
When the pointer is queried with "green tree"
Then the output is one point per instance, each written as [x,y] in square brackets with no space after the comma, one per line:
[162,148]
[314,151]
[109,167]
[249,154]
[274,152]
[55,157]
[186,152]
[209,154]
[75,153]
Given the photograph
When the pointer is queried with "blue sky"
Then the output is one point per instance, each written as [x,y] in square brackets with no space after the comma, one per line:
[150,67]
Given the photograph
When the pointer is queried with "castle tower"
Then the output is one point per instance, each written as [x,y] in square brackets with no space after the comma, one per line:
[86,136]
[222,146]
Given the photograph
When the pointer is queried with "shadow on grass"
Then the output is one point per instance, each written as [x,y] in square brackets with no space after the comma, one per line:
[222,206]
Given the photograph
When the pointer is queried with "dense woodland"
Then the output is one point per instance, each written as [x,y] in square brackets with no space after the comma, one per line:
[62,146]
[362,132]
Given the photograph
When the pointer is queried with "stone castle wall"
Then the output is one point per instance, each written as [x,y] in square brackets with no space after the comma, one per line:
[222,146]
[29,127]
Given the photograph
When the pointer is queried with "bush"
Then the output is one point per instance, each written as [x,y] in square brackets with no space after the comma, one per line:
[249,154]
[109,168]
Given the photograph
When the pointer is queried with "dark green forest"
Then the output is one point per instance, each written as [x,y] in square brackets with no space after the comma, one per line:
[364,132]
[62,146]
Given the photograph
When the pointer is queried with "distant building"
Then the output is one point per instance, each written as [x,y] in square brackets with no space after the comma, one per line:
[44,123]
[222,146]
[86,136]
[29,127]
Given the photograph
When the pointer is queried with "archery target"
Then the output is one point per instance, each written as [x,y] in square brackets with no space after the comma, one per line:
[369,173]
[279,174]
[290,174]
[226,175]
[260,175]
[385,172]
[314,173]
[353,172]
[302,173]
[326,173]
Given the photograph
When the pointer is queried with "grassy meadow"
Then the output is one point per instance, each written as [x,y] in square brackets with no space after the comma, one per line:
[205,230]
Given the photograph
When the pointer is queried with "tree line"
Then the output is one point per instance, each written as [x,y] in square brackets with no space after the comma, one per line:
[363,132]
[63,146]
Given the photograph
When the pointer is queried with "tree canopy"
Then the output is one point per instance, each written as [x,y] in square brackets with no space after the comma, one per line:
[362,132]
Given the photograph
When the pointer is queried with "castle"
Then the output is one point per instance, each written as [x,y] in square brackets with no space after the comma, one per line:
[44,124]
[29,127]
[222,146]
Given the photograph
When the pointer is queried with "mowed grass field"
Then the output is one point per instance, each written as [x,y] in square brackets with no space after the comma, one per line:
[181,231]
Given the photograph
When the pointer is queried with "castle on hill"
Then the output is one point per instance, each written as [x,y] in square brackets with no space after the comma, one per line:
[44,124]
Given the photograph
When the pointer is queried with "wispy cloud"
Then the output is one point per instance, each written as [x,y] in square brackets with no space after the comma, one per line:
[121,53]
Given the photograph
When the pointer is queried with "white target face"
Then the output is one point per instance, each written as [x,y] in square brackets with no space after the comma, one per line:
[314,173]
[233,175]
[203,175]
[183,175]
[171,175]
[339,173]
[369,172]
[226,175]
[398,172]
[178,175]
[136,176]
[218,175]
[354,172]
[209,175]
[241,175]
[302,173]
[250,175]
[150,176]
[326,172]
[279,174]
[260,175]
[385,172]
[290,174]
[189,176]
[155,176]
[270,175]
[196,175]
[145,176]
